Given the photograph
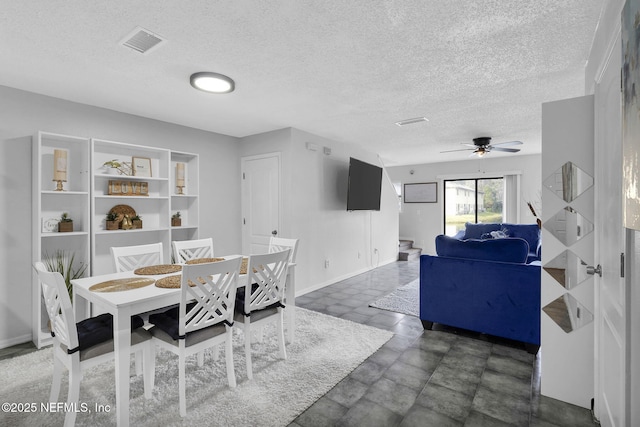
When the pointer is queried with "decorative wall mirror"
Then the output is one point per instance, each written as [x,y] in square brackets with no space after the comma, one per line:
[567,269]
[568,313]
[568,182]
[568,226]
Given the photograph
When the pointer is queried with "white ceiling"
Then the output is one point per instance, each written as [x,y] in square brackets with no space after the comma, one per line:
[344,70]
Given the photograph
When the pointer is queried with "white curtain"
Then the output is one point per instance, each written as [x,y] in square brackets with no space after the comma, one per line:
[511,204]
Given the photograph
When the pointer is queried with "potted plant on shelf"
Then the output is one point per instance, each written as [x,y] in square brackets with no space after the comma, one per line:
[137,222]
[65,224]
[112,221]
[176,221]
[113,166]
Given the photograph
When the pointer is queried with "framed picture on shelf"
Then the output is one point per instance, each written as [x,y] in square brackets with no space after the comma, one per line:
[141,166]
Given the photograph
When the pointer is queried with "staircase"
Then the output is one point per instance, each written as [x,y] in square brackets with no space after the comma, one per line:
[406,251]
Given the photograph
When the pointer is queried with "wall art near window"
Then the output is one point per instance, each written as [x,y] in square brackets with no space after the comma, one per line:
[426,192]
[630,115]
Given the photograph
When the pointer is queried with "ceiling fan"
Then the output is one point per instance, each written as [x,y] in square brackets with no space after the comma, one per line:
[482,145]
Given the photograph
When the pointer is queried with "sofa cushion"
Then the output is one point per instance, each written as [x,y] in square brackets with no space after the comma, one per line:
[480,231]
[510,249]
[528,232]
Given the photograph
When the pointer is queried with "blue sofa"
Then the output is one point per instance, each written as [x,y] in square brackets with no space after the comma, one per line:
[489,286]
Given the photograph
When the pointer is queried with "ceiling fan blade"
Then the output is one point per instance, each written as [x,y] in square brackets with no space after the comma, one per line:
[507,144]
[508,150]
[461,149]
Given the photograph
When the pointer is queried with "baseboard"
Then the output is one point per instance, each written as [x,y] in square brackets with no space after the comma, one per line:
[343,277]
[15,341]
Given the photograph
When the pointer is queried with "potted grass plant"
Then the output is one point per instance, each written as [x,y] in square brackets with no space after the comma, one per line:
[63,262]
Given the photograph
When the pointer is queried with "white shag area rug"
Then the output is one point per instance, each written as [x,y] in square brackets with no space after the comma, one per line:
[405,300]
[326,349]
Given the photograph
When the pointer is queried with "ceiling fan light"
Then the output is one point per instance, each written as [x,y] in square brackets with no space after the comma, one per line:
[212,82]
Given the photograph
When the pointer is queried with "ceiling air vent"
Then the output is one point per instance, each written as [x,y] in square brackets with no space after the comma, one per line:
[142,40]
[412,121]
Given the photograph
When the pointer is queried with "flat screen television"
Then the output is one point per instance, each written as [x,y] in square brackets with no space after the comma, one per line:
[363,188]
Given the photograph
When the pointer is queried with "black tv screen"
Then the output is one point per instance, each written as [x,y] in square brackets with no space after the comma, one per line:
[363,189]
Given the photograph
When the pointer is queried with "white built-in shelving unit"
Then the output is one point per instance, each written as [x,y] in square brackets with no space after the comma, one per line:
[87,200]
[48,206]
[187,202]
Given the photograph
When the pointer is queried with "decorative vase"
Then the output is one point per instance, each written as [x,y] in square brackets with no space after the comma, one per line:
[65,226]
[127,224]
[112,171]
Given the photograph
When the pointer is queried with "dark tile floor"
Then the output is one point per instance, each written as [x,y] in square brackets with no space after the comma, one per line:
[444,377]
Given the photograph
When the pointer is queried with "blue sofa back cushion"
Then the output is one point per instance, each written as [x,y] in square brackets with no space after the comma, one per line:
[511,249]
[528,232]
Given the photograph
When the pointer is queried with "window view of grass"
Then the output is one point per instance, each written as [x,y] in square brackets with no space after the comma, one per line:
[464,199]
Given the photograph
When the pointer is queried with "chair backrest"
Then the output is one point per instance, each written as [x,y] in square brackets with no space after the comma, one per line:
[186,250]
[277,244]
[128,258]
[58,304]
[208,294]
[267,274]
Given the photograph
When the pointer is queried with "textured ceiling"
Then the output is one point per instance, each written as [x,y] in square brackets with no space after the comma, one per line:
[344,70]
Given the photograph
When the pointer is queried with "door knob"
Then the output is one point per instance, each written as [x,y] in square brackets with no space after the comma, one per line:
[594,270]
[274,233]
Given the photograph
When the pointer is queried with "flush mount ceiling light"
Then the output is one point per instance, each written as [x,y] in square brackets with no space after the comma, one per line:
[212,82]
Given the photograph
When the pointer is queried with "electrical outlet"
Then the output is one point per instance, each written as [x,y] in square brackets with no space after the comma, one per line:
[375,250]
[358,255]
[326,263]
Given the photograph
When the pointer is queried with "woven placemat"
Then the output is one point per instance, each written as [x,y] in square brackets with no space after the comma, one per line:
[203,260]
[173,282]
[118,285]
[169,282]
[158,269]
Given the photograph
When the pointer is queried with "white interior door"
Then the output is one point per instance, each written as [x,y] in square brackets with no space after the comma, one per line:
[260,201]
[612,329]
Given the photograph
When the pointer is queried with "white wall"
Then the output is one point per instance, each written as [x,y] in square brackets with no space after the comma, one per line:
[23,114]
[422,222]
[314,208]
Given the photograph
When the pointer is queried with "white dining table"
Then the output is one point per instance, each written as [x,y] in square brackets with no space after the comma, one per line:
[124,304]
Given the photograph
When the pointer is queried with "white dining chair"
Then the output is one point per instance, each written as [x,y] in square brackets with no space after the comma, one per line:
[80,346]
[129,258]
[203,319]
[186,250]
[261,301]
[277,244]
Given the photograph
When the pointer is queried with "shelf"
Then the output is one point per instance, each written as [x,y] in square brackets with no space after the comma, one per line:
[64,234]
[65,193]
[131,197]
[129,177]
[132,231]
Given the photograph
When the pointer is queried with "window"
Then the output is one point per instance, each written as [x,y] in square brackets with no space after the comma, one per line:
[472,200]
